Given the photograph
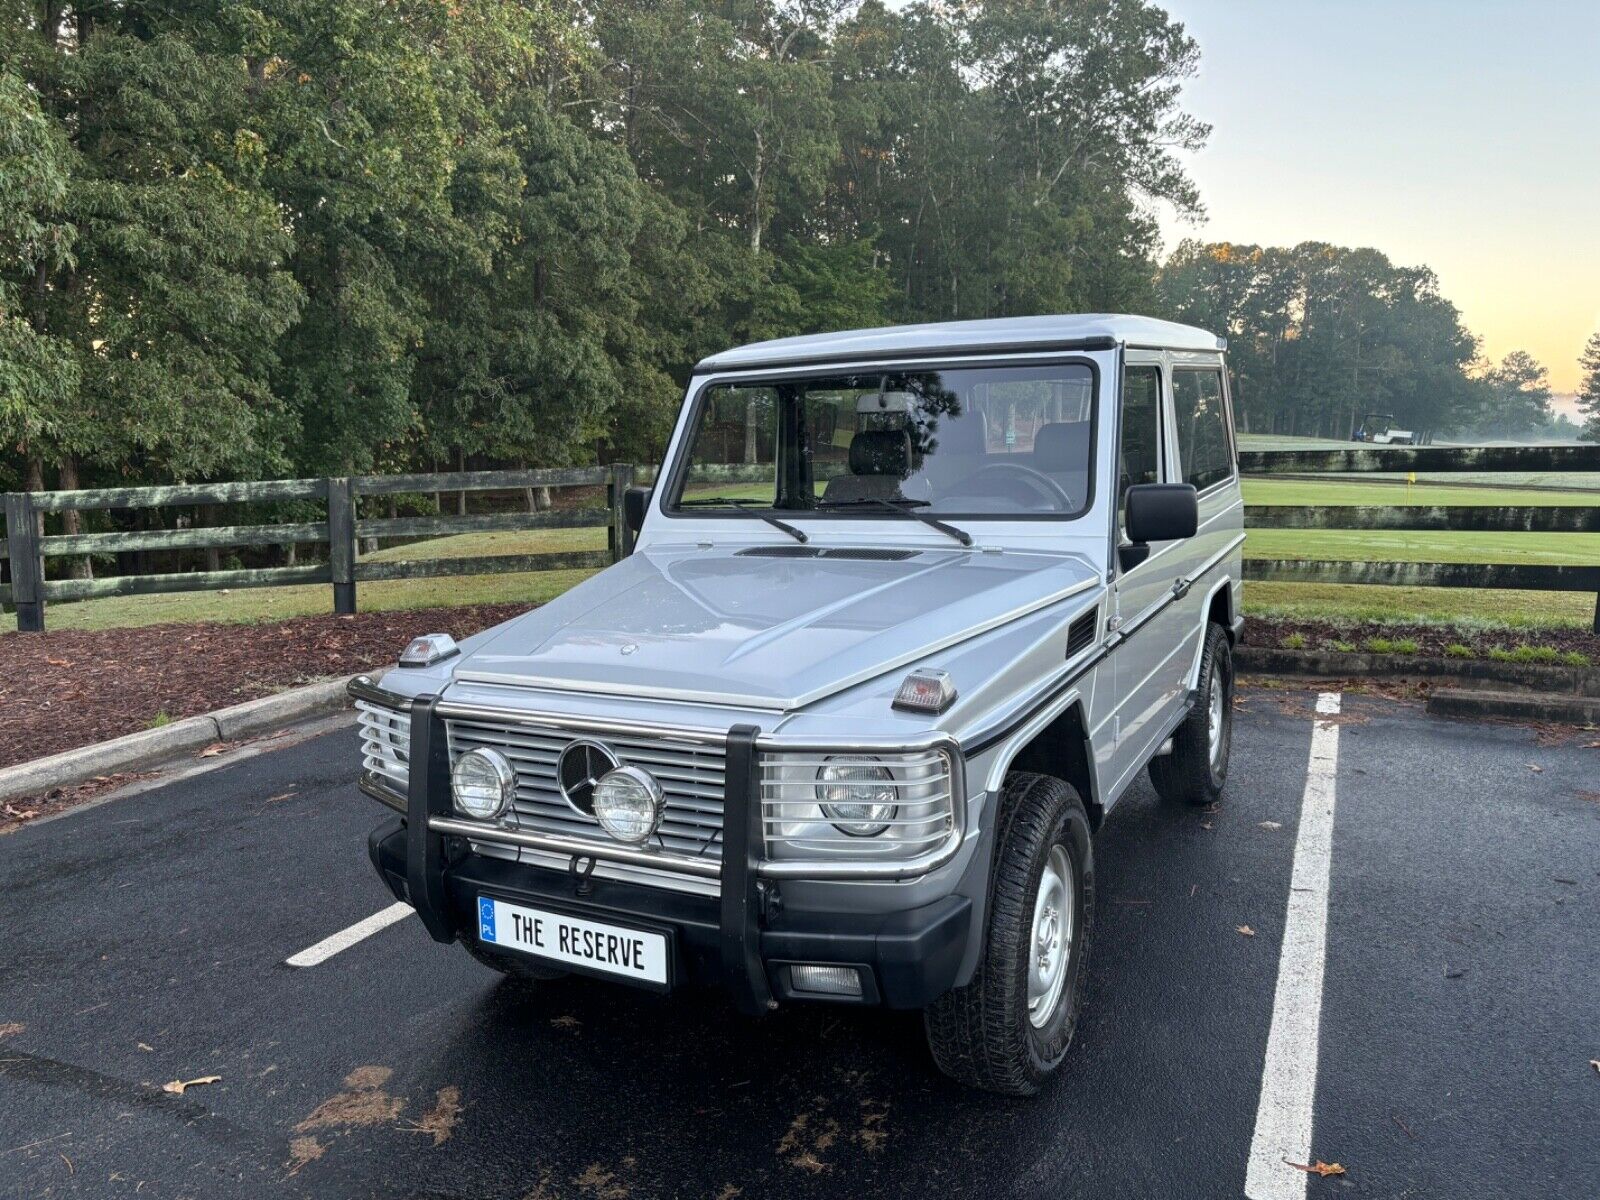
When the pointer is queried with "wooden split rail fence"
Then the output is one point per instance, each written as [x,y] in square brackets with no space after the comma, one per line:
[1474,518]
[343,527]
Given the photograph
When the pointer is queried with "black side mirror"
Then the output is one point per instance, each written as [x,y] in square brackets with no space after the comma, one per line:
[1158,512]
[634,502]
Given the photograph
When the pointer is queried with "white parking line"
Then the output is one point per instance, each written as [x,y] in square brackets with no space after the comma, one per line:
[1289,1079]
[345,938]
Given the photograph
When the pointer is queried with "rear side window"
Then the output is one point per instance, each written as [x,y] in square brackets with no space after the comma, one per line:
[1203,447]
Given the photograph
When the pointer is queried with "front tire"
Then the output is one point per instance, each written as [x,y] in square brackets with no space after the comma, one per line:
[1009,1029]
[1196,769]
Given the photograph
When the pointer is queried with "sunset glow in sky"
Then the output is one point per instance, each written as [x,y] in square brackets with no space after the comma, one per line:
[1464,136]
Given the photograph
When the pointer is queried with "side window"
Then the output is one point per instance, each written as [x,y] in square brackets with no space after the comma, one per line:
[1141,434]
[1203,447]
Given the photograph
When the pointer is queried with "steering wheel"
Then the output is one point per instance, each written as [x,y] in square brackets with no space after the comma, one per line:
[1038,481]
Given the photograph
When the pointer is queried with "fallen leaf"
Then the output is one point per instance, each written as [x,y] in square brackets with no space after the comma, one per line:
[1205,824]
[565,1022]
[1595,1063]
[148,1048]
[1536,768]
[1269,824]
[10,1028]
[1246,930]
[178,1086]
[280,796]
[1317,1168]
[212,750]
[21,814]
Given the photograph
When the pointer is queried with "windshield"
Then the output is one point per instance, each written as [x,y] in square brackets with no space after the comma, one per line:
[1013,441]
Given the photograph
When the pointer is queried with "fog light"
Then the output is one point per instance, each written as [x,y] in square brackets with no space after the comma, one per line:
[483,783]
[628,803]
[826,981]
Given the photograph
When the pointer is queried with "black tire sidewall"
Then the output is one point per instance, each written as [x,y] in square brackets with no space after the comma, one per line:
[1220,674]
[1048,1045]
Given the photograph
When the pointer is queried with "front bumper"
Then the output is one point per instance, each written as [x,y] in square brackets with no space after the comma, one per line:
[905,959]
[742,939]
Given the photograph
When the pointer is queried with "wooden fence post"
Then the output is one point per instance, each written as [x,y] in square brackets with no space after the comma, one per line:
[342,542]
[614,503]
[27,570]
[624,481]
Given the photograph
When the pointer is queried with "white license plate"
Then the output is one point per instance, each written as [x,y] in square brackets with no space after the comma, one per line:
[574,941]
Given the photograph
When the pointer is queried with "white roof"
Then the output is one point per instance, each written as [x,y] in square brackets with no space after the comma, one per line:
[1076,331]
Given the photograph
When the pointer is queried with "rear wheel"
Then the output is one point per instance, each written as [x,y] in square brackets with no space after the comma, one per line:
[1196,769]
[1008,1030]
[514,966]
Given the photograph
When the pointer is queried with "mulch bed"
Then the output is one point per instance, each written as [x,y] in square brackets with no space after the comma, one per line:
[1278,632]
[60,690]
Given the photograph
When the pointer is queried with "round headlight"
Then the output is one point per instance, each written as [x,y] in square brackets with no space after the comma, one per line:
[628,803]
[483,783]
[857,794]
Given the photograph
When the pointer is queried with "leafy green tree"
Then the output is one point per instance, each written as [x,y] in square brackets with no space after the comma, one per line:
[39,374]
[1518,399]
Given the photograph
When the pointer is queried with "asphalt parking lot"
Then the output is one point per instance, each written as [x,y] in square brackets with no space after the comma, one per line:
[1446,1052]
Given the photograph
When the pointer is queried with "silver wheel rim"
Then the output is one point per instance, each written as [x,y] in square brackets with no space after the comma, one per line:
[1050,943]
[1214,721]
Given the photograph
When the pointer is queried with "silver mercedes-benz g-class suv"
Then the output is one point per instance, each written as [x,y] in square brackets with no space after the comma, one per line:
[908,611]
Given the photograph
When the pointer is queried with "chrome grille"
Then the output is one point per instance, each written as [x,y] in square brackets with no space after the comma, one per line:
[385,743]
[691,774]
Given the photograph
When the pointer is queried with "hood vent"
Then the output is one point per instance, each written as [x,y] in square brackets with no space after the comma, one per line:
[858,554]
[781,552]
[868,554]
[1080,635]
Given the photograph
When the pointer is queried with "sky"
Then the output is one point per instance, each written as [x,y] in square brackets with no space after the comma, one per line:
[1464,136]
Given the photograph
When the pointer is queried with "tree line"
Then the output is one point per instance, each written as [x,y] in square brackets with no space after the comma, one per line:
[302,237]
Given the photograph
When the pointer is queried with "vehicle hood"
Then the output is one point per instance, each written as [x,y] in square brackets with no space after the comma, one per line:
[718,626]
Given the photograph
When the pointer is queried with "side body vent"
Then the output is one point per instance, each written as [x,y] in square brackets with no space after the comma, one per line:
[1080,635]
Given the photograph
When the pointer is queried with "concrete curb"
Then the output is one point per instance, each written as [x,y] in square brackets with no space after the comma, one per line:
[151,746]
[1519,706]
[1329,664]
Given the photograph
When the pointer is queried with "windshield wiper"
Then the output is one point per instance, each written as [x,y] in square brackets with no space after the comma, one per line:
[744,507]
[906,508]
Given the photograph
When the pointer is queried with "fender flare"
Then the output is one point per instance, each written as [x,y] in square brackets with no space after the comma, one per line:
[1200,650]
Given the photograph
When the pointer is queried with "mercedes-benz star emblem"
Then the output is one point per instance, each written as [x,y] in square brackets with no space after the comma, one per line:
[579,768]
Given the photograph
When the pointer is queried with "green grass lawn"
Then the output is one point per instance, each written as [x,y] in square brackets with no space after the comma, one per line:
[1291,599]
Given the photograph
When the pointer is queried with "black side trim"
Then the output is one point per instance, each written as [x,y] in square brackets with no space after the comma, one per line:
[891,355]
[741,849]
[428,795]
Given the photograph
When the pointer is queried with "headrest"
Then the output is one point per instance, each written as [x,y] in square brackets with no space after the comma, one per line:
[1061,446]
[881,452]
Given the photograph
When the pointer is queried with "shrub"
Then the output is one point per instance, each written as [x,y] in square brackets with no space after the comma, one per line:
[1341,647]
[1392,646]
[157,721]
[1457,650]
[1295,641]
[1576,658]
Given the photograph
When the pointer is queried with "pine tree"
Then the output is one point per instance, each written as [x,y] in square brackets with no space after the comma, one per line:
[1589,389]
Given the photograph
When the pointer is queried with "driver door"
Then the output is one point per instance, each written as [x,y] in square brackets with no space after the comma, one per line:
[1148,663]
